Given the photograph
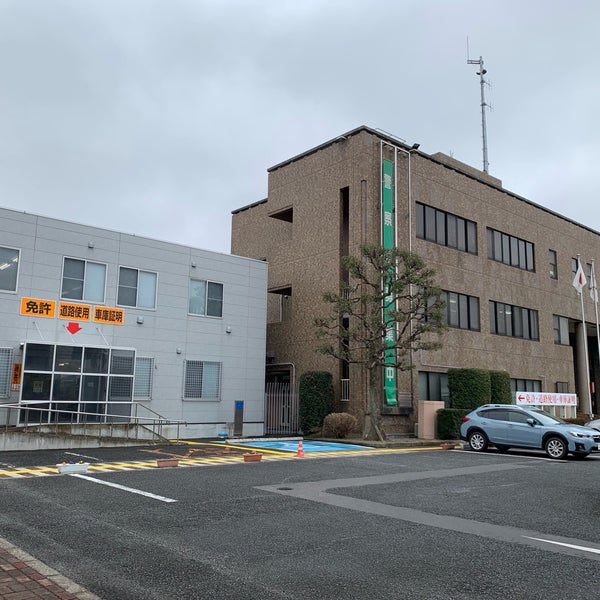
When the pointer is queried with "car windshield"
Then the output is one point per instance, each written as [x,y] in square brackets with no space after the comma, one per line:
[545,418]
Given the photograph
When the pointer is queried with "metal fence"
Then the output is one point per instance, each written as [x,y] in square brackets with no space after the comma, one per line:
[345,390]
[281,409]
[37,414]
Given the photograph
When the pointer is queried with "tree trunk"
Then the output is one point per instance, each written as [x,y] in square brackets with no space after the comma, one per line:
[371,429]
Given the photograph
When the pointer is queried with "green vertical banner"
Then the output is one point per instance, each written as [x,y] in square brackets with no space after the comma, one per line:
[387,241]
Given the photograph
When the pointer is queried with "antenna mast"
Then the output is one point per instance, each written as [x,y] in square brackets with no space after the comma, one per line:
[482,83]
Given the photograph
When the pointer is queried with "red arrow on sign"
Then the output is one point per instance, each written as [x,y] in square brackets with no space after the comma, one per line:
[73,328]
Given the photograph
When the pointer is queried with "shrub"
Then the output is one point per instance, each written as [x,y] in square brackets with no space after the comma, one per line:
[316,399]
[500,387]
[339,425]
[469,388]
[448,423]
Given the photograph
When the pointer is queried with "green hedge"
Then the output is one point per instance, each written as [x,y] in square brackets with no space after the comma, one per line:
[316,399]
[500,387]
[469,388]
[448,423]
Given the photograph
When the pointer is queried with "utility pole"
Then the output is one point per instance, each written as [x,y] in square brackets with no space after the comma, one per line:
[482,83]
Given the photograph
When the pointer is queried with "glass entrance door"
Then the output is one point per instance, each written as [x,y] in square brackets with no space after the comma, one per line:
[76,384]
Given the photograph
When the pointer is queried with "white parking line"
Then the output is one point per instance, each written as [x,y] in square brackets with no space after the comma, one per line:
[574,546]
[122,487]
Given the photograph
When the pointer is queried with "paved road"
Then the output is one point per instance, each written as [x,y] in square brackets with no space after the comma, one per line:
[425,525]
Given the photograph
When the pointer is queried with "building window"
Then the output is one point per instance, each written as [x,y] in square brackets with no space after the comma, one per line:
[76,383]
[574,265]
[513,321]
[202,380]
[286,307]
[510,250]
[433,386]
[206,298]
[9,268]
[5,371]
[561,330]
[136,288]
[525,385]
[446,229]
[462,311]
[552,264]
[142,382]
[562,387]
[83,280]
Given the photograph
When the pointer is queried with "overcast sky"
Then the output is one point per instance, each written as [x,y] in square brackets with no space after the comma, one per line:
[160,117]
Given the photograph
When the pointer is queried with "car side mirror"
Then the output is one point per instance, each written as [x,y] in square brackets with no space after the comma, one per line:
[531,421]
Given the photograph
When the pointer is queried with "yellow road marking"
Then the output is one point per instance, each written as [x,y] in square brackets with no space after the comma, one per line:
[220,459]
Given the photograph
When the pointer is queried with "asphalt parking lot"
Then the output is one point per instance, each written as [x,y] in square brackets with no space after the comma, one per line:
[187,452]
[415,525]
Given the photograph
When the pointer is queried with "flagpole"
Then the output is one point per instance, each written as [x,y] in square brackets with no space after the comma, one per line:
[587,359]
[594,294]
[578,283]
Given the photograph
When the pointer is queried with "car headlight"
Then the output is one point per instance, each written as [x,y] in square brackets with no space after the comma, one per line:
[578,434]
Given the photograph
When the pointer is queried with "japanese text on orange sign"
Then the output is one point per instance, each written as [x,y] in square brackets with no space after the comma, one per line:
[79,312]
[34,307]
[114,316]
[16,374]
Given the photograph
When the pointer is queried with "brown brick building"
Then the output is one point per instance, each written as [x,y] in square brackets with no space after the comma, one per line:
[505,263]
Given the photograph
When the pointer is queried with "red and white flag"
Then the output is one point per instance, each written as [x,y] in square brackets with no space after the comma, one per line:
[579,280]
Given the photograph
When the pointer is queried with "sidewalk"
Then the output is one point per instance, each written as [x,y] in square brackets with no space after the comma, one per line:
[22,577]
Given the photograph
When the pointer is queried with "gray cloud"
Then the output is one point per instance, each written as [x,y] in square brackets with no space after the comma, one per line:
[159,118]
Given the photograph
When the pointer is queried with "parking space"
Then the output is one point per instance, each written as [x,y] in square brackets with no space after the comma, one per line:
[188,453]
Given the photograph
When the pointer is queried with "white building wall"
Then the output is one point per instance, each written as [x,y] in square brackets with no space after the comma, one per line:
[168,333]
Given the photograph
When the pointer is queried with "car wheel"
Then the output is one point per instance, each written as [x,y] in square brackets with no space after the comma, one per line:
[478,442]
[501,448]
[556,447]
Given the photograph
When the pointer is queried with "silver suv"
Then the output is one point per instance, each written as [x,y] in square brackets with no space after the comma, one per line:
[509,426]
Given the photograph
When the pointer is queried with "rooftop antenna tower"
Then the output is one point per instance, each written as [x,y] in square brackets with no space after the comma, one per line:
[482,83]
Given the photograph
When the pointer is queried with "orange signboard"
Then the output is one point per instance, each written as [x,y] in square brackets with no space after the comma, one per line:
[16,374]
[113,316]
[78,312]
[33,307]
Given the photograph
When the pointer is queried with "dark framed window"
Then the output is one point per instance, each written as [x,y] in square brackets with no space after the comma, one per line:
[142,383]
[83,280]
[525,385]
[513,321]
[446,229]
[205,298]
[433,386]
[202,380]
[6,363]
[137,288]
[462,311]
[561,330]
[510,250]
[574,265]
[9,268]
[562,387]
[552,264]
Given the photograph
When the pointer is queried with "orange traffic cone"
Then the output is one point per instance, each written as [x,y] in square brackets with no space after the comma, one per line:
[300,451]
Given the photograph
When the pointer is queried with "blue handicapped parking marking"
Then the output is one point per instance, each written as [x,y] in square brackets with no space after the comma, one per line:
[307,446]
